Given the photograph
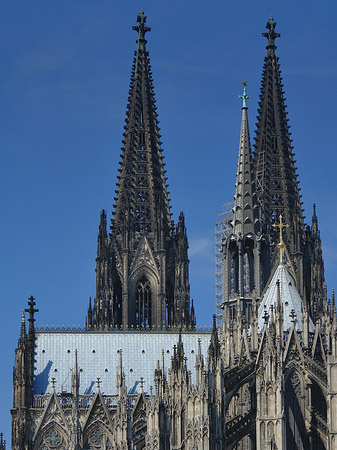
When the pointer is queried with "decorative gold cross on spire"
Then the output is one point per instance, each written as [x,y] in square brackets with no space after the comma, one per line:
[281,244]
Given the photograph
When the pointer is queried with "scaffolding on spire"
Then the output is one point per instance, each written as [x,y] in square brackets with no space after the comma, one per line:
[223,227]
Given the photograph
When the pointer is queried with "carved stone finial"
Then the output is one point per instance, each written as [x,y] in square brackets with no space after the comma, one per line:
[98,383]
[270,34]
[266,316]
[292,315]
[141,28]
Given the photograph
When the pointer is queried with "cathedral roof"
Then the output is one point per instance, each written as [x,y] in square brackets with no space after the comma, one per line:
[282,287]
[98,356]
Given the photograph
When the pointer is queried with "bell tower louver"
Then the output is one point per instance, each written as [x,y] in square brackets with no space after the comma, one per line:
[142,265]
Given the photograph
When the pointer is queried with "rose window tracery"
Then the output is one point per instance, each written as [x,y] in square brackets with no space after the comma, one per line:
[52,441]
[96,438]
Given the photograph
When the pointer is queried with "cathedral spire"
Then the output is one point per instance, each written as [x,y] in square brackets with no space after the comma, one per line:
[142,192]
[243,217]
[142,276]
[274,165]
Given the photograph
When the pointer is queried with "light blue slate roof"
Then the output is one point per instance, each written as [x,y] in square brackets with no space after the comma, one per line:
[98,356]
[290,299]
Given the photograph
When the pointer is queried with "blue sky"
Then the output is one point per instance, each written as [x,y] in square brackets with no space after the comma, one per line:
[65,71]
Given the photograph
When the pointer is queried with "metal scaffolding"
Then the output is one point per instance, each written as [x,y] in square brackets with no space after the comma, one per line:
[223,227]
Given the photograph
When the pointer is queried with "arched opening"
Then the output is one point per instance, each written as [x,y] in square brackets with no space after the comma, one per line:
[234,281]
[52,438]
[248,269]
[170,300]
[319,416]
[296,435]
[117,303]
[97,437]
[143,302]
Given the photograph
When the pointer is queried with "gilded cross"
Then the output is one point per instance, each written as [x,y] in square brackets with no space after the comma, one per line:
[281,245]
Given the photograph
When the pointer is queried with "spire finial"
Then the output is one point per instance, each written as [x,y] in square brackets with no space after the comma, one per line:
[98,383]
[31,310]
[266,316]
[271,35]
[141,28]
[281,244]
[292,315]
[244,96]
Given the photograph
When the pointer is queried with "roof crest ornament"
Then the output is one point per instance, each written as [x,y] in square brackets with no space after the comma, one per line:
[271,35]
[244,96]
[281,244]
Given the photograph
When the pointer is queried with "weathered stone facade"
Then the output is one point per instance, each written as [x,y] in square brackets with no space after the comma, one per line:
[267,378]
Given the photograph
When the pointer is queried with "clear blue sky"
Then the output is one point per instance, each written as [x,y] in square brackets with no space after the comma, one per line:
[65,71]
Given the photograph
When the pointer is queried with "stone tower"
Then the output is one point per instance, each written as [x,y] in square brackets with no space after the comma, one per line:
[267,187]
[266,380]
[142,267]
[245,251]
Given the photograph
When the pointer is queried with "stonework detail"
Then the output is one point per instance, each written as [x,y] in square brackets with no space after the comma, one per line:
[267,376]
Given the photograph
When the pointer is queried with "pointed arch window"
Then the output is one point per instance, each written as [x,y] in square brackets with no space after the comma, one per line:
[143,302]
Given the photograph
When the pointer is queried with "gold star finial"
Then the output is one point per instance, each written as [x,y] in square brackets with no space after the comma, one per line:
[281,244]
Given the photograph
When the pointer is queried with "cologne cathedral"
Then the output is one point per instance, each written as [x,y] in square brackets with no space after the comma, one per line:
[139,374]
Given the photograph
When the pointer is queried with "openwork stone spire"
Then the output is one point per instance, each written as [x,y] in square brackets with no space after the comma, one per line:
[142,192]
[142,266]
[274,166]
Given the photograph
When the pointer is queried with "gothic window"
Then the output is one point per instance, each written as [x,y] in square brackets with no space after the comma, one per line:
[141,156]
[142,213]
[52,441]
[117,303]
[142,181]
[143,302]
[139,427]
[129,170]
[141,168]
[246,273]
[296,434]
[234,275]
[142,228]
[142,196]
[96,438]
[275,172]
[276,185]
[274,143]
